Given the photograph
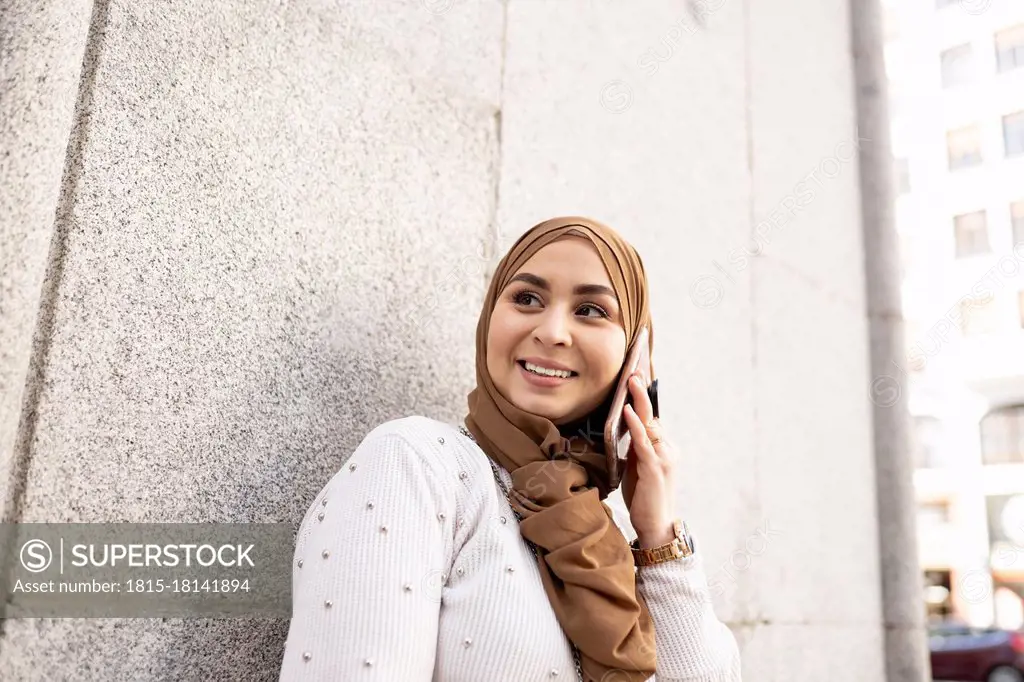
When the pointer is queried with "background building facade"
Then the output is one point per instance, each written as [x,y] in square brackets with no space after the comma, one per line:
[957,104]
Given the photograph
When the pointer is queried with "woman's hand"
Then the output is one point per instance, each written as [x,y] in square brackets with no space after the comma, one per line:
[647,484]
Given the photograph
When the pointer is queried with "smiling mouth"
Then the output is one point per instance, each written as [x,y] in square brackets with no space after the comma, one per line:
[560,375]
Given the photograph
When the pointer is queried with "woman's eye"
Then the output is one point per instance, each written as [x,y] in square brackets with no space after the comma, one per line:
[523,298]
[600,312]
[530,300]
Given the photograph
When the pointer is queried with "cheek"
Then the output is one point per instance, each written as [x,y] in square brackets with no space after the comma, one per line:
[606,357]
[500,336]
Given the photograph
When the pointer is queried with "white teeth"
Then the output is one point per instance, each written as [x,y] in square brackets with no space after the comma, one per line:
[536,369]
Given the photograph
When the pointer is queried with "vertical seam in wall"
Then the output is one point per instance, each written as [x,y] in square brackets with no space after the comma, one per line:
[55,265]
[493,238]
[752,222]
[45,319]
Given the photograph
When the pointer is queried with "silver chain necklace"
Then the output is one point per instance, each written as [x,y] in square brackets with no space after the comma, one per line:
[504,489]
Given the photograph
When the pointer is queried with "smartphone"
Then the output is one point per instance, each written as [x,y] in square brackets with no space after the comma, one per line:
[616,431]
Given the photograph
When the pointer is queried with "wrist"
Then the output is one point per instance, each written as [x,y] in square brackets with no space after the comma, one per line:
[649,549]
[649,540]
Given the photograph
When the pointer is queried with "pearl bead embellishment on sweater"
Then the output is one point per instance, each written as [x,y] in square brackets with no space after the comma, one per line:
[479,519]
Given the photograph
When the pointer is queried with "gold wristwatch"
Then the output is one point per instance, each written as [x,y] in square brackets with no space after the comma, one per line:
[680,547]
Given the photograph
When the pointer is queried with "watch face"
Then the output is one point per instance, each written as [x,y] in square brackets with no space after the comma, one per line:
[682,532]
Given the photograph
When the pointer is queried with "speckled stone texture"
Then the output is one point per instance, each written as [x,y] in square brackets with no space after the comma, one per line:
[41,47]
[274,240]
[278,222]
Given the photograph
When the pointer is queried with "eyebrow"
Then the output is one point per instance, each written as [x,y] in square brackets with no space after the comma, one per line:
[580,289]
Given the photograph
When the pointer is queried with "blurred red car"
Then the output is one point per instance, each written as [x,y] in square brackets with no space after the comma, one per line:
[970,654]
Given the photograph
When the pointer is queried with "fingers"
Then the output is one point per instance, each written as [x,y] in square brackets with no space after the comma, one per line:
[641,441]
[641,401]
[645,428]
[646,437]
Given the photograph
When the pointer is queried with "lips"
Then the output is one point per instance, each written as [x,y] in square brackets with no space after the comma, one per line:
[543,381]
[546,364]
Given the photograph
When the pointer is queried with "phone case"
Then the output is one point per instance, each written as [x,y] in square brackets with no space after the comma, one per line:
[616,431]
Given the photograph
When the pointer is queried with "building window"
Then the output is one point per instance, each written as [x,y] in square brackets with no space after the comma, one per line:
[1002,436]
[957,65]
[979,316]
[1010,48]
[932,515]
[963,147]
[1017,221]
[901,169]
[938,590]
[971,232]
[1013,133]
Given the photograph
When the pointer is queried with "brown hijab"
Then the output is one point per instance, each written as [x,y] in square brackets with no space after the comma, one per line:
[558,486]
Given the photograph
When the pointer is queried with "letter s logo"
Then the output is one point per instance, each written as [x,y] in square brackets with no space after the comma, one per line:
[36,556]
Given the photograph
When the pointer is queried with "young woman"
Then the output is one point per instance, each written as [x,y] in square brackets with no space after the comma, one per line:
[487,552]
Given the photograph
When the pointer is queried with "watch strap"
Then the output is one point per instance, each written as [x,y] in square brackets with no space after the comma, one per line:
[680,547]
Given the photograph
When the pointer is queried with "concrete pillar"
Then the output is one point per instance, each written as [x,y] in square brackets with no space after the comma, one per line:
[906,655]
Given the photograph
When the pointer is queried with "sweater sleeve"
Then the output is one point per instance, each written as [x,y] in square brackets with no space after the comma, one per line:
[368,569]
[692,643]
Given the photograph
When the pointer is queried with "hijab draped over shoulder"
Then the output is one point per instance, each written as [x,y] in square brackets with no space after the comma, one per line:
[559,482]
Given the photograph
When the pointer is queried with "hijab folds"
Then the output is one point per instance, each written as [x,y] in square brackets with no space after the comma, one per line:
[559,484]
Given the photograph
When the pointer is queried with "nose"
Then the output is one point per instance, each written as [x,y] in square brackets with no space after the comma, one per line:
[553,329]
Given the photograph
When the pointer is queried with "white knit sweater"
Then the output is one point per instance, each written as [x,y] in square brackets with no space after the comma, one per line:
[409,567]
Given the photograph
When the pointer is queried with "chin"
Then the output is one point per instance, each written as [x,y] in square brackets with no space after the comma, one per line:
[543,408]
[558,414]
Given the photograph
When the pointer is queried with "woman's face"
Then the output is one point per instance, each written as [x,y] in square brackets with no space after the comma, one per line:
[559,311]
